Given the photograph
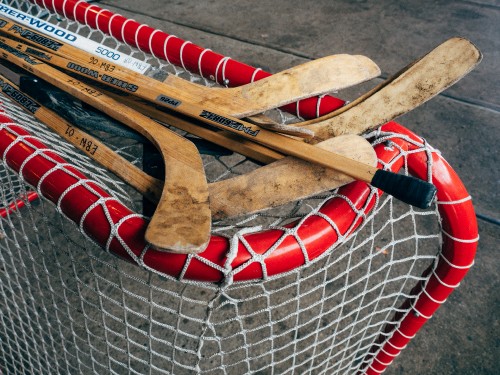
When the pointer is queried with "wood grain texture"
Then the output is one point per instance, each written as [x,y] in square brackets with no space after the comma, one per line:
[286,180]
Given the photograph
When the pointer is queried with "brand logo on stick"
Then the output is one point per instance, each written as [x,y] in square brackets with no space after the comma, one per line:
[168,100]
[229,123]
[104,77]
[37,23]
[19,97]
[36,38]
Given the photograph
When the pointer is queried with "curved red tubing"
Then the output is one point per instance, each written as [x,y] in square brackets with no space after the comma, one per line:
[54,176]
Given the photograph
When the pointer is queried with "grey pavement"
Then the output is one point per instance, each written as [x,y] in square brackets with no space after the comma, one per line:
[463,122]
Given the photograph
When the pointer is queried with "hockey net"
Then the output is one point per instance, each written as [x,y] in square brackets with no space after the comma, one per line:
[335,284]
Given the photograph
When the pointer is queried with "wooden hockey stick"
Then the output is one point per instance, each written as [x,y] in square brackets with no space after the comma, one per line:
[331,73]
[406,188]
[203,93]
[229,197]
[412,86]
[87,48]
[185,191]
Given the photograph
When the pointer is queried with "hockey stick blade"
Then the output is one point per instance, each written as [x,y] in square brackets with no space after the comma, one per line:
[414,85]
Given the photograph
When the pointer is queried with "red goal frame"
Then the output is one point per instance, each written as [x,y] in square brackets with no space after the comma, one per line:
[62,184]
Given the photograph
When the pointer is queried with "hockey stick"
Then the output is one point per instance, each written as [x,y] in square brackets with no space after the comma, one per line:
[116,57]
[228,197]
[412,86]
[185,191]
[331,73]
[405,188]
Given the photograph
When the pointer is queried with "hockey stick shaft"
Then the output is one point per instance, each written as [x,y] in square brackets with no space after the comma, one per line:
[252,150]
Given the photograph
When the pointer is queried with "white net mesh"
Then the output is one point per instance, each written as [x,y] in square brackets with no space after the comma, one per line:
[70,307]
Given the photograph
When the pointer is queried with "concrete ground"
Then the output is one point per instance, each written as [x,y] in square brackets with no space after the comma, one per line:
[463,122]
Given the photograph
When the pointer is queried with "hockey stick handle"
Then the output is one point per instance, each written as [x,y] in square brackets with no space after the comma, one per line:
[179,52]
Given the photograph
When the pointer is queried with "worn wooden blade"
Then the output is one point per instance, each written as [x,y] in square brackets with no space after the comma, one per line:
[411,87]
[328,74]
[286,180]
[317,77]
[185,191]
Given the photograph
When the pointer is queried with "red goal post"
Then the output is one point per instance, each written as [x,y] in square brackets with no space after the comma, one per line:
[258,255]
